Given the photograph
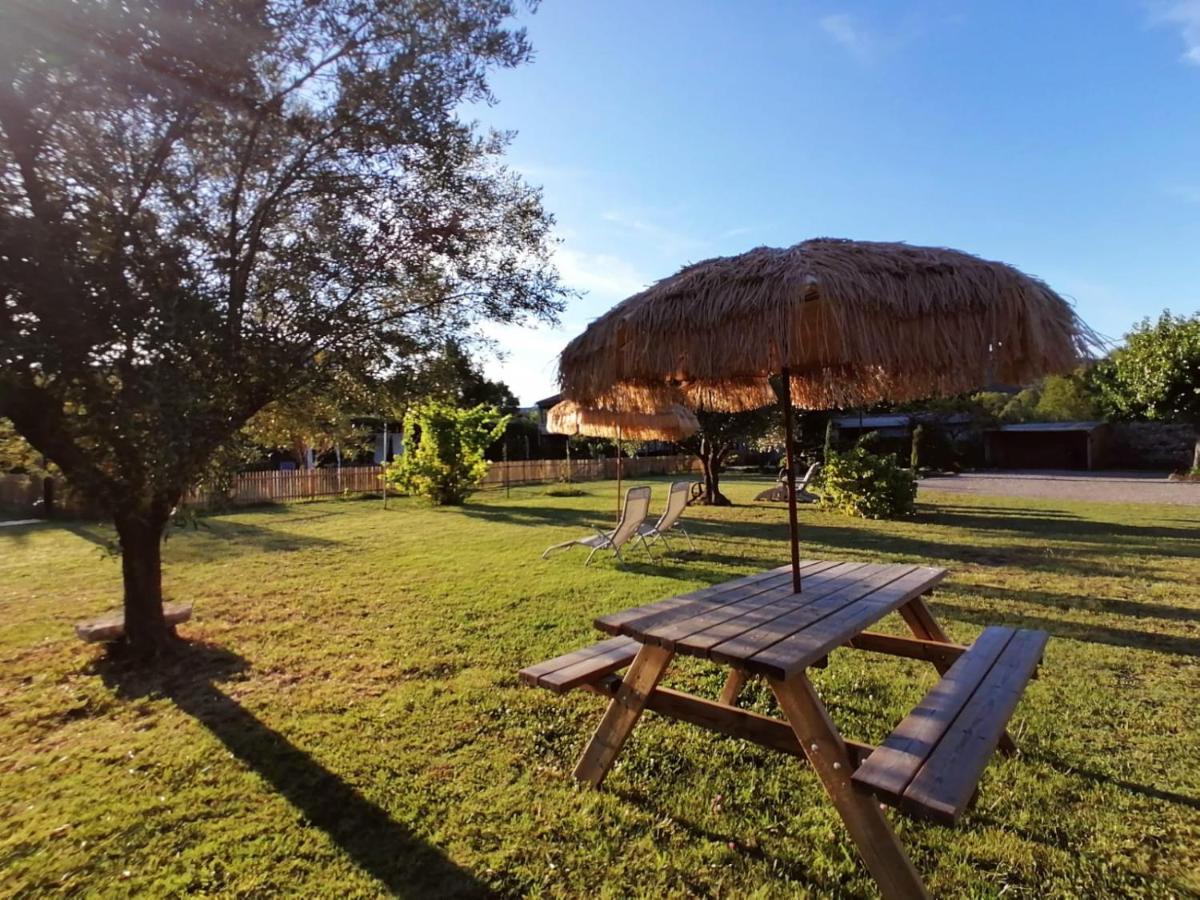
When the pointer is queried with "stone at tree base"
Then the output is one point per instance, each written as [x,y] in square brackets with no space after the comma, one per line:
[111,627]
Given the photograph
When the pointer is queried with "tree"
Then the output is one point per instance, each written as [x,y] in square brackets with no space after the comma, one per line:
[201,200]
[451,374]
[443,451]
[1066,398]
[719,435]
[16,454]
[1156,374]
[315,419]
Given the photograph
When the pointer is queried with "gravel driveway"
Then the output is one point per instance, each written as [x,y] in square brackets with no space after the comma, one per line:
[1099,487]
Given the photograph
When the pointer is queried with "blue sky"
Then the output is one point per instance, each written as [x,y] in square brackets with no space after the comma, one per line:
[1060,137]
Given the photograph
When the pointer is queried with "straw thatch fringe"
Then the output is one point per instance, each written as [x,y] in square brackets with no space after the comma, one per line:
[856,322]
[671,423]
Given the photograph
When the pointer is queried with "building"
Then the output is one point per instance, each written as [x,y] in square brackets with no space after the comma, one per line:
[1047,445]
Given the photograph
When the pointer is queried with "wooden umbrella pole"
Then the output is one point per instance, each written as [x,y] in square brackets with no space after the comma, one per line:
[789,453]
[618,474]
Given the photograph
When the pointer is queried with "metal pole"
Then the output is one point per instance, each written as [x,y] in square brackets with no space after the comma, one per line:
[383,462]
[789,450]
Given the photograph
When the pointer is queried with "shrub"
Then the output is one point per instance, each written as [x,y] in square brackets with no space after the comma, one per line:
[565,490]
[443,451]
[861,483]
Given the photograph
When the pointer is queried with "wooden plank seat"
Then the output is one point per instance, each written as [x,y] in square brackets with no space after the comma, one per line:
[930,765]
[581,667]
[111,627]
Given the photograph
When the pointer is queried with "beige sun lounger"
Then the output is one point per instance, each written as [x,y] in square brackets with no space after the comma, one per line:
[677,501]
[637,506]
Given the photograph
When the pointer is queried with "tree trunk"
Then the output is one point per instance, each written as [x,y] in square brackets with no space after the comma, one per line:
[1196,456]
[141,534]
[710,461]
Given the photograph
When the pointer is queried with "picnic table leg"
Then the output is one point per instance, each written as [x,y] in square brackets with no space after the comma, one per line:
[623,713]
[734,682]
[826,751]
[923,625]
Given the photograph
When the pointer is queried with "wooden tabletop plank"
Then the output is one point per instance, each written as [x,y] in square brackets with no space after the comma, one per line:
[613,623]
[798,651]
[667,611]
[666,634]
[851,588]
[896,762]
[947,781]
[749,617]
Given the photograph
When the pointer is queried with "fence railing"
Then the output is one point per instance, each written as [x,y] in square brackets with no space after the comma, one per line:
[24,494]
[540,471]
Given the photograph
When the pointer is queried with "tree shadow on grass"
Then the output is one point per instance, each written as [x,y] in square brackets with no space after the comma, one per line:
[937,550]
[216,539]
[1067,768]
[792,867]
[1078,631]
[403,862]
[538,516]
[1134,609]
[1161,539]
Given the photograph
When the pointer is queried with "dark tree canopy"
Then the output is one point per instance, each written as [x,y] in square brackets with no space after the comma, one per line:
[202,199]
[451,374]
[720,434]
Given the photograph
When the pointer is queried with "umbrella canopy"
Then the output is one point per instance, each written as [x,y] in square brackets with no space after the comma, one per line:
[855,322]
[842,323]
[669,424]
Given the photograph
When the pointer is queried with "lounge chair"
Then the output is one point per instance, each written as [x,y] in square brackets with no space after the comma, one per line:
[637,505]
[677,501]
[779,492]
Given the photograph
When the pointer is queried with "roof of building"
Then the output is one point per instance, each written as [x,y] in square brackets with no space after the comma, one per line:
[876,421]
[1049,426]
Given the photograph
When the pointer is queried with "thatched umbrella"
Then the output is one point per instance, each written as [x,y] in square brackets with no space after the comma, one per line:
[840,323]
[672,423]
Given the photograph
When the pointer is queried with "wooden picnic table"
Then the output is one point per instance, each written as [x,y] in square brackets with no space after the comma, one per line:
[758,626]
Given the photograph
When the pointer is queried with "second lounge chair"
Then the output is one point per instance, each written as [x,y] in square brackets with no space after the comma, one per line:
[637,506]
[677,501]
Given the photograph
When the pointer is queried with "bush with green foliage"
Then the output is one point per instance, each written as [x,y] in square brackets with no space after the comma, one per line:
[1156,374]
[861,483]
[443,451]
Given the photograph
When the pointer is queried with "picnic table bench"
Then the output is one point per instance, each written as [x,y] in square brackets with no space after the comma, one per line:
[929,766]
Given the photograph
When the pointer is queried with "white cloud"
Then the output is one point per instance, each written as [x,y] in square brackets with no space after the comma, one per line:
[598,273]
[526,357]
[846,31]
[664,240]
[1184,15]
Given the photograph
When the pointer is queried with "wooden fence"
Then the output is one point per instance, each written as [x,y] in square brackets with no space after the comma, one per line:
[23,494]
[295,484]
[540,471]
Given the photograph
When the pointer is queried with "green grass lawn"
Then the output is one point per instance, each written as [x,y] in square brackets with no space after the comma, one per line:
[351,722]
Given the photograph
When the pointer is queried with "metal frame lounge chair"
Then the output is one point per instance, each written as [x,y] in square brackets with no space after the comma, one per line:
[637,506]
[779,492]
[677,501]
